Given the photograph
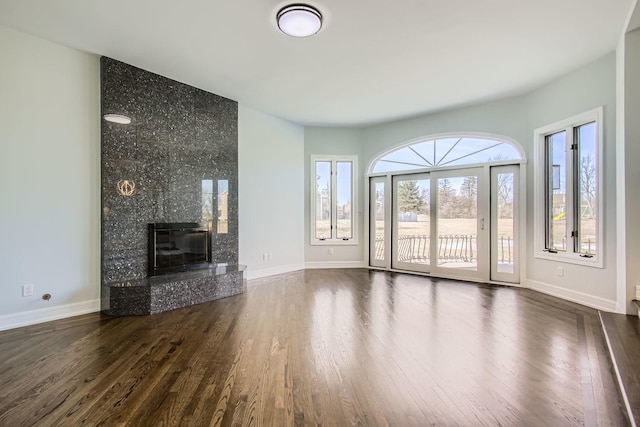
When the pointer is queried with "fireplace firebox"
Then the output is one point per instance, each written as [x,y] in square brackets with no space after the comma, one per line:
[179,246]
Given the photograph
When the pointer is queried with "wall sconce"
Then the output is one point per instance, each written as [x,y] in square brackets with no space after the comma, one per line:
[126,188]
[117,118]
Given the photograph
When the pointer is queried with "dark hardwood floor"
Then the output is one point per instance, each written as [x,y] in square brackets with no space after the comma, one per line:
[338,347]
[624,339]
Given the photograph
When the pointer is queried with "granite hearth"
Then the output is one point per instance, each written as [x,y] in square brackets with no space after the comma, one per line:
[170,291]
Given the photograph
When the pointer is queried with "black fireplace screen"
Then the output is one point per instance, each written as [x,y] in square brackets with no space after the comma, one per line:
[175,247]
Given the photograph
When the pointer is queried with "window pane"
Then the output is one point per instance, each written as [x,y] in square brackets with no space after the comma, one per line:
[343,200]
[588,176]
[457,206]
[223,206]
[377,218]
[414,221]
[473,150]
[207,199]
[323,200]
[446,152]
[506,230]
[402,159]
[556,220]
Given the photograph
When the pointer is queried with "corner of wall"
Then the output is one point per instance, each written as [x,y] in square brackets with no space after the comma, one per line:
[271,178]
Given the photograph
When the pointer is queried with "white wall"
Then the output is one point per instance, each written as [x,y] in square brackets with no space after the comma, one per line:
[634,18]
[515,118]
[271,193]
[582,90]
[621,219]
[50,179]
[505,117]
[630,142]
[333,141]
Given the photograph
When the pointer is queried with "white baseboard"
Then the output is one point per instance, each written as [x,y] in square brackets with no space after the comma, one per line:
[250,274]
[33,317]
[334,264]
[573,296]
[26,318]
[267,272]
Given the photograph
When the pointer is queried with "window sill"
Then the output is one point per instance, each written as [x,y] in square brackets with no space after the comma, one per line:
[595,262]
[334,242]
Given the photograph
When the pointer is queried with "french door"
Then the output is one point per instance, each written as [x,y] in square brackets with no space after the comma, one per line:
[411,222]
[459,223]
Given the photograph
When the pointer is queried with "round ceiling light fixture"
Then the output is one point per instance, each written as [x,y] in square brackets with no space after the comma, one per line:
[299,20]
[117,118]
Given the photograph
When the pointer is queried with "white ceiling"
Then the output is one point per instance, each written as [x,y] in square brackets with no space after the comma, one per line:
[372,61]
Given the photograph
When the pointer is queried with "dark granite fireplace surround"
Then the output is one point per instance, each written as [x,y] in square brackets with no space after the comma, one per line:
[179,137]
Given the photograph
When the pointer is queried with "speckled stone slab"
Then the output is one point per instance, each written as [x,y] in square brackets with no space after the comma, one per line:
[179,137]
[171,291]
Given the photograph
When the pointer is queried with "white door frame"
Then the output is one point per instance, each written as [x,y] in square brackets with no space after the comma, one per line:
[481,274]
[385,262]
[495,275]
[395,263]
[520,199]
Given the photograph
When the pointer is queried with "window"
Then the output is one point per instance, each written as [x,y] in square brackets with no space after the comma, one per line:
[222,227]
[207,203]
[334,194]
[447,151]
[207,200]
[568,182]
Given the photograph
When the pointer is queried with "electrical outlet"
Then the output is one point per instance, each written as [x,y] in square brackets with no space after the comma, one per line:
[27,290]
[560,271]
[330,251]
[265,256]
[270,256]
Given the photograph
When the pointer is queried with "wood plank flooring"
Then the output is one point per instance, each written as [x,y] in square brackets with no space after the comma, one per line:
[331,348]
[624,339]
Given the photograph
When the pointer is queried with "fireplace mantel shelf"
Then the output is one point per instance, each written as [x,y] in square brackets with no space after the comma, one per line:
[156,294]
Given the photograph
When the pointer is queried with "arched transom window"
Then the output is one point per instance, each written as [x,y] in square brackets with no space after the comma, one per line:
[446,152]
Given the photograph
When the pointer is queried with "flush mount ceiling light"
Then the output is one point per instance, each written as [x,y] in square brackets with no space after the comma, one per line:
[299,20]
[117,118]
